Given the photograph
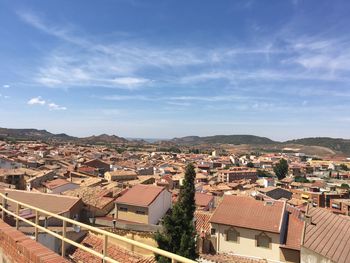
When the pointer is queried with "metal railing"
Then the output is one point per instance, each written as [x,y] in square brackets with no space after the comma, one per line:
[106,235]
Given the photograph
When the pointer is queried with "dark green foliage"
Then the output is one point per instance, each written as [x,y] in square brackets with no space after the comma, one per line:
[263,173]
[179,233]
[250,165]
[346,186]
[281,169]
[171,149]
[344,167]
[301,179]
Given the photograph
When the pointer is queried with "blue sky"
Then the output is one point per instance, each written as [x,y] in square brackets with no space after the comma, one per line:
[162,69]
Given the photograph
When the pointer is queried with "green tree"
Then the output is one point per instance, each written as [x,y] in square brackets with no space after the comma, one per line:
[344,167]
[250,165]
[346,186]
[263,173]
[179,234]
[301,179]
[281,169]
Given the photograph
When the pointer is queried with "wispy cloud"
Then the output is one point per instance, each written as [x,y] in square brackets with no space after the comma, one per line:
[6,86]
[54,106]
[40,101]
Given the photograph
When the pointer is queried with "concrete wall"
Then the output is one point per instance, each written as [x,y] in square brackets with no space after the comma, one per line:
[309,256]
[159,207]
[246,245]
[290,255]
[131,214]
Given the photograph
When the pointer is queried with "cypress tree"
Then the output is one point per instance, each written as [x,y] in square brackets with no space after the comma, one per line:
[179,233]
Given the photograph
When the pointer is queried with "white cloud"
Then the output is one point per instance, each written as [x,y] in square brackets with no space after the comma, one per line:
[36,101]
[40,101]
[54,106]
[6,86]
[129,81]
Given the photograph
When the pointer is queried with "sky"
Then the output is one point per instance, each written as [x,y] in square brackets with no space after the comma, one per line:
[172,68]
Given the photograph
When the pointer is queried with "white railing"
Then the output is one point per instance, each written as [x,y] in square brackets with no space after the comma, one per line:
[106,235]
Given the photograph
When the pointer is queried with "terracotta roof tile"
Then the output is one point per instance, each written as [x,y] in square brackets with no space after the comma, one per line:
[203,199]
[114,251]
[140,195]
[247,212]
[294,232]
[328,234]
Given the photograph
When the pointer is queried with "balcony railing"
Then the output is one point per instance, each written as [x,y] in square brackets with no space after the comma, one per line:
[106,235]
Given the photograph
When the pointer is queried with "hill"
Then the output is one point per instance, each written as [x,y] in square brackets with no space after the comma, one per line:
[43,135]
[335,144]
[33,134]
[225,139]
[103,138]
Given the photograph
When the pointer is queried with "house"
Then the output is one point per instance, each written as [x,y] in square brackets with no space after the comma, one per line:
[276,193]
[326,237]
[204,201]
[58,186]
[254,228]
[66,206]
[99,164]
[97,200]
[120,175]
[237,173]
[145,204]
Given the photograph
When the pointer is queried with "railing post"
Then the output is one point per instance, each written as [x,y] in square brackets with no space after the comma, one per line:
[105,247]
[36,224]
[17,213]
[4,203]
[173,260]
[64,229]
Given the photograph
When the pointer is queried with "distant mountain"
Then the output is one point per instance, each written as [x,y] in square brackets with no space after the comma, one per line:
[335,144]
[43,135]
[312,146]
[103,138]
[224,139]
[33,134]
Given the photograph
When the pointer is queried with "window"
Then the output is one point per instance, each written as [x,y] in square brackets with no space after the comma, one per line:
[232,235]
[123,209]
[213,231]
[263,240]
[140,212]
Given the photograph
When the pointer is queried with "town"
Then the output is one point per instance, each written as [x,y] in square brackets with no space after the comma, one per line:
[249,206]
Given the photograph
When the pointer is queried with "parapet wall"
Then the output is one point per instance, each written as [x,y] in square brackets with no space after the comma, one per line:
[15,247]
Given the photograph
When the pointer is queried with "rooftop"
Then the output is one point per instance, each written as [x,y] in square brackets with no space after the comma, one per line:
[246,212]
[140,195]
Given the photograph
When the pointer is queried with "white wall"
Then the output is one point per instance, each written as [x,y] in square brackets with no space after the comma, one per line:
[308,256]
[246,245]
[159,207]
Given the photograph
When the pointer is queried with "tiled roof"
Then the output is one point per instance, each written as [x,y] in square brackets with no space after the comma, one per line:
[140,195]
[202,221]
[328,234]
[50,202]
[242,211]
[227,258]
[294,232]
[56,183]
[114,251]
[203,199]
[94,196]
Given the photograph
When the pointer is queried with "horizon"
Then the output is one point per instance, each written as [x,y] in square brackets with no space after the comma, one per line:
[170,138]
[166,69]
